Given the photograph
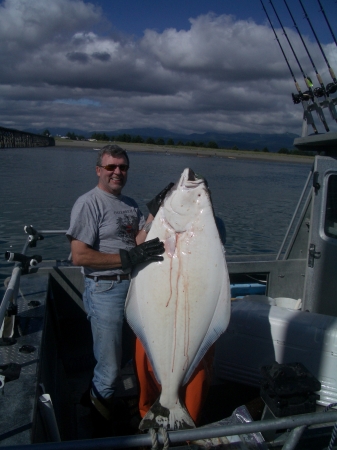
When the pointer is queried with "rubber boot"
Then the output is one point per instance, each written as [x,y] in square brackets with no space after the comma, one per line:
[102,416]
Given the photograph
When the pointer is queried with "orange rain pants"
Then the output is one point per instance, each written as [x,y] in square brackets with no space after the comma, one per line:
[193,394]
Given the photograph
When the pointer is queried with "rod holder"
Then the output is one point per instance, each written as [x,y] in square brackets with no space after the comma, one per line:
[34,235]
[26,261]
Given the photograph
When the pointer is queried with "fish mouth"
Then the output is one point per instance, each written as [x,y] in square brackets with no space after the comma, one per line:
[190,179]
[191,175]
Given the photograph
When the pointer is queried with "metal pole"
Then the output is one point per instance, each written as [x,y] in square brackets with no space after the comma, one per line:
[49,419]
[14,282]
[294,438]
[13,286]
[53,231]
[186,435]
[294,215]
[11,291]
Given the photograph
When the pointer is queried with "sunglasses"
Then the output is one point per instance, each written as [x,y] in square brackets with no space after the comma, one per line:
[113,167]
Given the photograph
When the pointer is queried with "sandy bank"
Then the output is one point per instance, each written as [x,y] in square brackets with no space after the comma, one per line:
[200,152]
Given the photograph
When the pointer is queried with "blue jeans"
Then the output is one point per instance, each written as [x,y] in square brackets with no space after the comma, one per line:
[104,303]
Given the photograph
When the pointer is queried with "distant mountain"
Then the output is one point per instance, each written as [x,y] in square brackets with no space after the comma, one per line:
[244,141]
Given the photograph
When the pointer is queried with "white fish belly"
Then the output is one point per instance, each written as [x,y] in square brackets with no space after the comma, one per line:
[180,306]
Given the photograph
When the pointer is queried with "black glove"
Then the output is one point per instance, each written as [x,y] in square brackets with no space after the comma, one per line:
[146,252]
[154,205]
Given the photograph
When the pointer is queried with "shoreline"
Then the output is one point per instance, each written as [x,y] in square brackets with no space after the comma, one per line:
[199,152]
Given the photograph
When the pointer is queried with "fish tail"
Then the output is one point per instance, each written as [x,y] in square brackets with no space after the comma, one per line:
[176,418]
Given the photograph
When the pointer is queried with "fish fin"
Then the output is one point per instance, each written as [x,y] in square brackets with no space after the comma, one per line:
[171,419]
[217,326]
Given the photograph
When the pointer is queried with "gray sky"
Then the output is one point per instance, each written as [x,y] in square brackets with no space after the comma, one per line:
[66,63]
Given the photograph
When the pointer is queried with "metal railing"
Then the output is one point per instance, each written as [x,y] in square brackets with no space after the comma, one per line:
[297,423]
[21,261]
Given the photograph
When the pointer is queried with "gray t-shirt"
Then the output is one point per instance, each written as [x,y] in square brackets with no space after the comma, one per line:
[107,223]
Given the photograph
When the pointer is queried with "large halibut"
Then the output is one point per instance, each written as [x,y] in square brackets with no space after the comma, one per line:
[180,306]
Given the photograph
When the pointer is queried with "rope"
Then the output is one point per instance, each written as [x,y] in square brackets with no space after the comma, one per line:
[163,432]
[154,437]
[334,431]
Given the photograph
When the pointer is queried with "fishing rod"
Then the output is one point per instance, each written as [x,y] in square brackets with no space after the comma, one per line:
[285,57]
[318,92]
[306,79]
[331,88]
[300,97]
[326,19]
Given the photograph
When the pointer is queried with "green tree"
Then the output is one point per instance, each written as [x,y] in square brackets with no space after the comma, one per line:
[235,147]
[170,141]
[124,138]
[265,149]
[46,132]
[283,150]
[212,144]
[149,140]
[137,139]
[160,141]
[71,135]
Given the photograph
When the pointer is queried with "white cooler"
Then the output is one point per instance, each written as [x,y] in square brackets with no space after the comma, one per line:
[260,333]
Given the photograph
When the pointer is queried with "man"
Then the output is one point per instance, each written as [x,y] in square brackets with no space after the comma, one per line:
[107,233]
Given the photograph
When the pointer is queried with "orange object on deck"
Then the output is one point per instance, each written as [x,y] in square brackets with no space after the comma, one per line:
[193,394]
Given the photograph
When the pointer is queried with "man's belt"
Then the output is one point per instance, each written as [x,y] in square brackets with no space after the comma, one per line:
[110,277]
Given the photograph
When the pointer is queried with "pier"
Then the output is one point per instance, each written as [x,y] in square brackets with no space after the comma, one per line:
[10,138]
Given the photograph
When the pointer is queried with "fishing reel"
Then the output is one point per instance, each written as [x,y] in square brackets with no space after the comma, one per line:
[331,88]
[296,98]
[319,92]
[302,97]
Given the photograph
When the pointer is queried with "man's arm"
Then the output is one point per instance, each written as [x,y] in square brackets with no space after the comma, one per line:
[84,255]
[153,207]
[141,236]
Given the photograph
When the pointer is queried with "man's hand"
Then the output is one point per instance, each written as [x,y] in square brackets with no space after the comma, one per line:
[154,205]
[146,252]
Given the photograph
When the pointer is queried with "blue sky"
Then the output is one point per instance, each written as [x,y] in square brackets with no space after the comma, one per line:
[185,66]
[134,16]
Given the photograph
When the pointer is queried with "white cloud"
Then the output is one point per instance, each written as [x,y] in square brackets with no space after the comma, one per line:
[58,69]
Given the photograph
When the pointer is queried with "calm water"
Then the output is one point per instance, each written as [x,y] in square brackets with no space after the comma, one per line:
[39,186]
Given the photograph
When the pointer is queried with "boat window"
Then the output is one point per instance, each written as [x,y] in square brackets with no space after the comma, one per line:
[330,225]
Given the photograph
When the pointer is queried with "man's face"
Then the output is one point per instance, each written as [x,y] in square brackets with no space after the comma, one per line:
[112,181]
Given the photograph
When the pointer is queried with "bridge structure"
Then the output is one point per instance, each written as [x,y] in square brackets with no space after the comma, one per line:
[10,138]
